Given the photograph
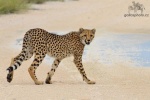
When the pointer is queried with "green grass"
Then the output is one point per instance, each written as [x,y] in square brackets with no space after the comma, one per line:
[40,1]
[11,6]
[36,1]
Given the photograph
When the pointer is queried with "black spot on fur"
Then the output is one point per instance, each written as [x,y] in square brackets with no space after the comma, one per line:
[37,64]
[55,64]
[15,66]
[36,60]
[58,61]
[37,54]
[18,63]
[10,69]
[23,56]
[21,59]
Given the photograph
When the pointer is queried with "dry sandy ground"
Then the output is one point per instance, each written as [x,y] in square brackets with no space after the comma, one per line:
[120,81]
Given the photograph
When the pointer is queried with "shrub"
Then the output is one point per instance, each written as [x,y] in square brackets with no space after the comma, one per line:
[11,6]
[36,1]
[40,1]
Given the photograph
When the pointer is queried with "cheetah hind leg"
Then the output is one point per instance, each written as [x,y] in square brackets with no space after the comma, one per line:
[37,61]
[10,74]
[31,71]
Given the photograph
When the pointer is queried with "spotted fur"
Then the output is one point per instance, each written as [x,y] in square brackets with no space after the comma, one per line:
[40,42]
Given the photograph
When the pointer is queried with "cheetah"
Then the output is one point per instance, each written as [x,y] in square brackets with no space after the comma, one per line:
[41,43]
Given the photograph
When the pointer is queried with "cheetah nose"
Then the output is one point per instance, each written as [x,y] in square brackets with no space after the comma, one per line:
[87,42]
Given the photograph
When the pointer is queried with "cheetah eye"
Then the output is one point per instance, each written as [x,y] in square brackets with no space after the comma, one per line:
[91,35]
[85,35]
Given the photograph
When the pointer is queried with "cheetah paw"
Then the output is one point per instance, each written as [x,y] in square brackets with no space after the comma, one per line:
[48,82]
[91,82]
[39,82]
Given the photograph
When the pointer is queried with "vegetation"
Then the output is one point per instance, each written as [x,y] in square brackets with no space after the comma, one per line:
[41,1]
[12,6]
[36,1]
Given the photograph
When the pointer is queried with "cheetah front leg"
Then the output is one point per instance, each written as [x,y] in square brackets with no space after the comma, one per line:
[51,72]
[78,63]
[37,61]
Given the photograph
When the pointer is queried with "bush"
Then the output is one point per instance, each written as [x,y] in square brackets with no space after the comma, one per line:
[36,1]
[11,6]
[40,1]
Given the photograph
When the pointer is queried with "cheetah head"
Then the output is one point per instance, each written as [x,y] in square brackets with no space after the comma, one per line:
[86,35]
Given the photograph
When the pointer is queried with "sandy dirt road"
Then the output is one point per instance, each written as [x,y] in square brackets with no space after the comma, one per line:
[118,81]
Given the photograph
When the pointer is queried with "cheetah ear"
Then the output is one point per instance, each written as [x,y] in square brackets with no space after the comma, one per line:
[94,30]
[81,30]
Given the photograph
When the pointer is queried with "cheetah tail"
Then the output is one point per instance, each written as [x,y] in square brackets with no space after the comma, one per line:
[21,57]
[17,63]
